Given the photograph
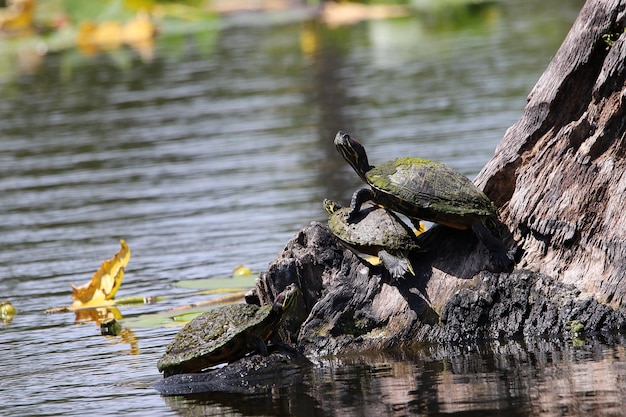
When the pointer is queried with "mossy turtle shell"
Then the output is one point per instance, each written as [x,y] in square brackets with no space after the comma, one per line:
[224,334]
[428,190]
[374,228]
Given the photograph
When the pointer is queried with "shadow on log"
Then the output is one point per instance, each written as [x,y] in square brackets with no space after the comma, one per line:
[351,305]
[559,179]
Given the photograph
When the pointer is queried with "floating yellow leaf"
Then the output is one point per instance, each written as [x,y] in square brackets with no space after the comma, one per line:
[138,33]
[7,311]
[17,17]
[104,283]
[241,270]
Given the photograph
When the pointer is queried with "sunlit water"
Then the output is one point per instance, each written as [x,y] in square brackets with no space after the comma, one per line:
[213,155]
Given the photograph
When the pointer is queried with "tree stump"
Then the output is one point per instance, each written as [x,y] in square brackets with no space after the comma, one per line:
[559,174]
[559,179]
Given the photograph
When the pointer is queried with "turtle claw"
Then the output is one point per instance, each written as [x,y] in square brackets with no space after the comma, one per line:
[501,259]
[396,267]
[397,273]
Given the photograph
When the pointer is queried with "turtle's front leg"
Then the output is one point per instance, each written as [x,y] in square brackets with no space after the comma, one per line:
[358,198]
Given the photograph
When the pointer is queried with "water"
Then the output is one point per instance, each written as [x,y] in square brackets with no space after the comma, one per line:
[509,379]
[214,154]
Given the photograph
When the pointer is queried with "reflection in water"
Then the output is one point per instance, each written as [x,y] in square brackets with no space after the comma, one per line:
[330,98]
[503,379]
[127,336]
[104,317]
[97,315]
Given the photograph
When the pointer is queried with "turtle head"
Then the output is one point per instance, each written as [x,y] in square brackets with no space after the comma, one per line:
[286,300]
[353,152]
[330,206]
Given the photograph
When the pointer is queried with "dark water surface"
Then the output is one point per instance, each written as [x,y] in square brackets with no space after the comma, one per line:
[214,154]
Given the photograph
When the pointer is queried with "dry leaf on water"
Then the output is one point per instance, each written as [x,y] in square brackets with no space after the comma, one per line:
[104,283]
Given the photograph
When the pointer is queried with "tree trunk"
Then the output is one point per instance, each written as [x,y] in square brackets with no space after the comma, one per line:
[559,174]
[558,177]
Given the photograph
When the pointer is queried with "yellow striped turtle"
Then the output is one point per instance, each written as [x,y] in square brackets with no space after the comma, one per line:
[425,190]
[375,231]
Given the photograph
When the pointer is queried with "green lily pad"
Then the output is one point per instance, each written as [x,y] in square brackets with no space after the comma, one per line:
[153,320]
[219,285]
[187,317]
[180,315]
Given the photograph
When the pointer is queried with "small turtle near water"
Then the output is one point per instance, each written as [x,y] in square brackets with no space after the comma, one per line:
[375,231]
[226,334]
[425,190]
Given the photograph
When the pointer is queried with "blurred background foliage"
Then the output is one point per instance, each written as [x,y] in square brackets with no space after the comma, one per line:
[32,29]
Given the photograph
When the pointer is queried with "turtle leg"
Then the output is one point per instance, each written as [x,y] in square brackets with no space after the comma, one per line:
[397,266]
[501,260]
[358,198]
[261,347]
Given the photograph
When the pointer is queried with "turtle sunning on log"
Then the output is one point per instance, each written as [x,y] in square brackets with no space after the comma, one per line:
[226,334]
[425,190]
[376,231]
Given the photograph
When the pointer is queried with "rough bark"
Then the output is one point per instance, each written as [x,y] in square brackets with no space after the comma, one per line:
[558,177]
[559,174]
[349,304]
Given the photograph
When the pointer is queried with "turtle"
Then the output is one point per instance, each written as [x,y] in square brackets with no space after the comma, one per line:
[428,190]
[226,334]
[375,231]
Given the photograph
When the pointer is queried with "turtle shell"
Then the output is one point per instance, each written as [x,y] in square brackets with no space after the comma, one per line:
[221,335]
[372,229]
[429,190]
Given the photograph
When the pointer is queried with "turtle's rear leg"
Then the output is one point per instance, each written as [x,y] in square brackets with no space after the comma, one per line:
[501,257]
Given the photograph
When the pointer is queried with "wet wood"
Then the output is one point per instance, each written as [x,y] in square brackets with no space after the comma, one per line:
[348,304]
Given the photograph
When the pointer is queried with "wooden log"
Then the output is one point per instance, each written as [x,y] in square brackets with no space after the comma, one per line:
[559,179]
[559,174]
